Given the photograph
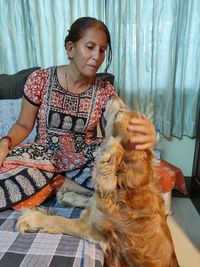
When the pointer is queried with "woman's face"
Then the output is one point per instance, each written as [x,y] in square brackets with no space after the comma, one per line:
[88,53]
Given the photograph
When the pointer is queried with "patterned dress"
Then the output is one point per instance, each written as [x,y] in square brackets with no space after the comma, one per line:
[66,137]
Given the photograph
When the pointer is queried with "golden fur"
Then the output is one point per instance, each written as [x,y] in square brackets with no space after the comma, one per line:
[125,215]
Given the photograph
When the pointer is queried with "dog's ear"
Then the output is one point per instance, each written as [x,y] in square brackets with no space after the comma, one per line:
[112,108]
[104,172]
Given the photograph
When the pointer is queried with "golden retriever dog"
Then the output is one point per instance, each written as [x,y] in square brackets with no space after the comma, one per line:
[125,215]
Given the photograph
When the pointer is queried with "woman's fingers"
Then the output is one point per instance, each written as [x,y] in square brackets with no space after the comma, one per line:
[3,153]
[146,136]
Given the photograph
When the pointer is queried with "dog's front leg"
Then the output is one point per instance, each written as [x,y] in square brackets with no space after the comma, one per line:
[105,168]
[32,220]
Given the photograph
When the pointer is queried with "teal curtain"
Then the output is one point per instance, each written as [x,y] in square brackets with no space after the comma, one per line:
[156,59]
[32,32]
[156,50]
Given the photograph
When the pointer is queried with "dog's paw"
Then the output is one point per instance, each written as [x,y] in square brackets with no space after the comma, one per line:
[60,196]
[73,199]
[104,162]
[65,189]
[105,158]
[30,219]
[65,197]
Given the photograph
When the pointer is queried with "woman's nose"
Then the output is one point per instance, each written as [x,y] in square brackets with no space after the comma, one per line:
[96,54]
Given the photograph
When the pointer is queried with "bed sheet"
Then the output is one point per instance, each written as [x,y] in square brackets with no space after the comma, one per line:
[42,249]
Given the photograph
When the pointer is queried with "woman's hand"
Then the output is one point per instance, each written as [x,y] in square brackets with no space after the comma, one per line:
[3,150]
[147,134]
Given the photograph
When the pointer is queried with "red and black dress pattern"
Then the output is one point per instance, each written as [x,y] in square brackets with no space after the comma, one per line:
[66,137]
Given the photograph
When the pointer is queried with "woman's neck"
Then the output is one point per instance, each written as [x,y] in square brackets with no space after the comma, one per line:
[72,81]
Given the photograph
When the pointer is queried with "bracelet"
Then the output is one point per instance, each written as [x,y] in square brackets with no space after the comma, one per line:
[9,141]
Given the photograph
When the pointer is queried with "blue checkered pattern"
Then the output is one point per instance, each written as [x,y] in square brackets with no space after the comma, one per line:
[42,249]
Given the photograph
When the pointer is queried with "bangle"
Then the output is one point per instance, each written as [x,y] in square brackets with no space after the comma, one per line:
[9,141]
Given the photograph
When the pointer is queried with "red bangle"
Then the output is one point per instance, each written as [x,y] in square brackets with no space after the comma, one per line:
[9,141]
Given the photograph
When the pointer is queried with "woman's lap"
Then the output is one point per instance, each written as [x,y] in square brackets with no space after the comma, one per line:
[29,187]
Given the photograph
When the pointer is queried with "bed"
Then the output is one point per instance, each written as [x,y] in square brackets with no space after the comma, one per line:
[42,249]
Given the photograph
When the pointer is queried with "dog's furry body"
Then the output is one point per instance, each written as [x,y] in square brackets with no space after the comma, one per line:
[125,215]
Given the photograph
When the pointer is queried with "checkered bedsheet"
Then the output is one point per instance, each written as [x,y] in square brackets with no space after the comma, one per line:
[42,249]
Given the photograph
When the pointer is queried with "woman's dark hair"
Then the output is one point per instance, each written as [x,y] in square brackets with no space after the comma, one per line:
[78,29]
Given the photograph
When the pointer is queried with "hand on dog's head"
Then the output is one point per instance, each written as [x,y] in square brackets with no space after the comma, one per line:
[120,128]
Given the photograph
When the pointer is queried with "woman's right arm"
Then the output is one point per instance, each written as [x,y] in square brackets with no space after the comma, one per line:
[21,129]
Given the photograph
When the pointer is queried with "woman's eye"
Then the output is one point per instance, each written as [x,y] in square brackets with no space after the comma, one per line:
[90,47]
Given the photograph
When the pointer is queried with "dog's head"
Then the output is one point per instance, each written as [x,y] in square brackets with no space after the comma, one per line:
[135,169]
[120,127]
[119,165]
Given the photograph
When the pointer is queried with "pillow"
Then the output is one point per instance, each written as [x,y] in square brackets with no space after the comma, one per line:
[106,77]
[11,86]
[9,112]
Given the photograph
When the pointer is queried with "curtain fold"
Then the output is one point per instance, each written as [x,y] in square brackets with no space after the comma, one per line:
[156,59]
[32,33]
[156,50]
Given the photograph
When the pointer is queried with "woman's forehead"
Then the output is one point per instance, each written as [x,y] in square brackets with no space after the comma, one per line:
[94,34]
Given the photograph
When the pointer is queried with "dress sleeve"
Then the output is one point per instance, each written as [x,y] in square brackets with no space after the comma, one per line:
[110,89]
[107,91]
[35,86]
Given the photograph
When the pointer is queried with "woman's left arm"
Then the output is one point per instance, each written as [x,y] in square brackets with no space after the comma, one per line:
[147,134]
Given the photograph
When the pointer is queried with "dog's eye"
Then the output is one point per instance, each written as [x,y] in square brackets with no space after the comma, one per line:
[119,112]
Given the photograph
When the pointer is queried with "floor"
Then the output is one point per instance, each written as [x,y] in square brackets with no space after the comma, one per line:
[184,224]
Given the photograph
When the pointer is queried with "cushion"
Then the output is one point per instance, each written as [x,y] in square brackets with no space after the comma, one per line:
[9,112]
[11,86]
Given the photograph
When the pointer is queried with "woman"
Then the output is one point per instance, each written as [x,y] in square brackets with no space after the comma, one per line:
[68,102]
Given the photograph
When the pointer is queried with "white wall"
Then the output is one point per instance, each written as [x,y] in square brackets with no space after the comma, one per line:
[179,152]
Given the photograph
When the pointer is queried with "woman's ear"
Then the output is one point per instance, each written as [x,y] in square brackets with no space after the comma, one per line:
[69,48]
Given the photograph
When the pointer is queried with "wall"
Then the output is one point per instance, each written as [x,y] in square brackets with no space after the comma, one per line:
[179,152]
